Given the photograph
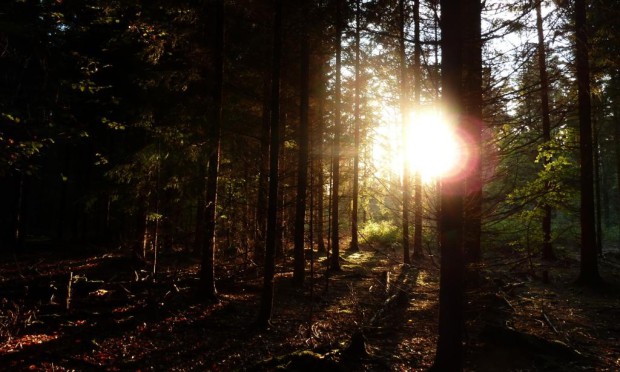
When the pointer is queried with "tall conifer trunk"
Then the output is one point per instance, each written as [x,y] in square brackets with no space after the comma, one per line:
[588,274]
[335,258]
[547,248]
[266,306]
[302,166]
[404,111]
[417,77]
[356,155]
[455,18]
[320,210]
[207,271]
[472,83]
[263,176]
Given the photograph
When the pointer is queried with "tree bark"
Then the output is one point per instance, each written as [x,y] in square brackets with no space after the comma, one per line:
[547,248]
[449,355]
[417,191]
[207,270]
[589,274]
[320,210]
[335,258]
[597,187]
[266,306]
[302,166]
[263,177]
[404,110]
[356,157]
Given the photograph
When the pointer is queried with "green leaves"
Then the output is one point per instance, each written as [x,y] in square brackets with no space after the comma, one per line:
[114,125]
[12,118]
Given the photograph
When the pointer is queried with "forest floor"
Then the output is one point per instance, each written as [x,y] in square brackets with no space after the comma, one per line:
[119,318]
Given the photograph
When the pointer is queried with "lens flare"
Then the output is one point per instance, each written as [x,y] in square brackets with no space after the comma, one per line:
[433,146]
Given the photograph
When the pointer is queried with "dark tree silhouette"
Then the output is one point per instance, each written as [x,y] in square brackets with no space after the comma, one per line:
[404,112]
[547,248]
[417,78]
[588,274]
[207,271]
[456,18]
[472,83]
[335,258]
[302,165]
[356,156]
[266,306]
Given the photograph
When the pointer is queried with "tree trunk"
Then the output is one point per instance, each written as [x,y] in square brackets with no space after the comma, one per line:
[449,355]
[356,157]
[404,103]
[588,274]
[207,269]
[335,258]
[266,306]
[302,167]
[597,188]
[547,249]
[616,123]
[472,83]
[417,191]
[320,211]
[263,177]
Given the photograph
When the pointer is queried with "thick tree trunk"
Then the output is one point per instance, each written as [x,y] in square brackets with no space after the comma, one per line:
[404,103]
[207,270]
[472,83]
[302,166]
[266,306]
[356,157]
[335,258]
[547,249]
[588,274]
[449,356]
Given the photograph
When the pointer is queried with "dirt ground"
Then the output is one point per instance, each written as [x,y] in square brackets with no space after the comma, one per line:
[118,317]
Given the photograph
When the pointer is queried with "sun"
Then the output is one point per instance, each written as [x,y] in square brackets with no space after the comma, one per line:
[432,146]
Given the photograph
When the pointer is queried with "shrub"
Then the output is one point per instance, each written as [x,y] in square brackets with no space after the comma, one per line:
[383,233]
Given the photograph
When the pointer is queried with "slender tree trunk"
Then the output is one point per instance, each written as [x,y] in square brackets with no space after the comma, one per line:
[335,259]
[356,157]
[417,191]
[449,355]
[588,274]
[266,306]
[404,111]
[547,251]
[597,188]
[616,122]
[199,229]
[263,177]
[302,167]
[320,211]
[207,270]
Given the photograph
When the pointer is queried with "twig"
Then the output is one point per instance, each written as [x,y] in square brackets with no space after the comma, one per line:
[503,296]
[548,321]
[69,290]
